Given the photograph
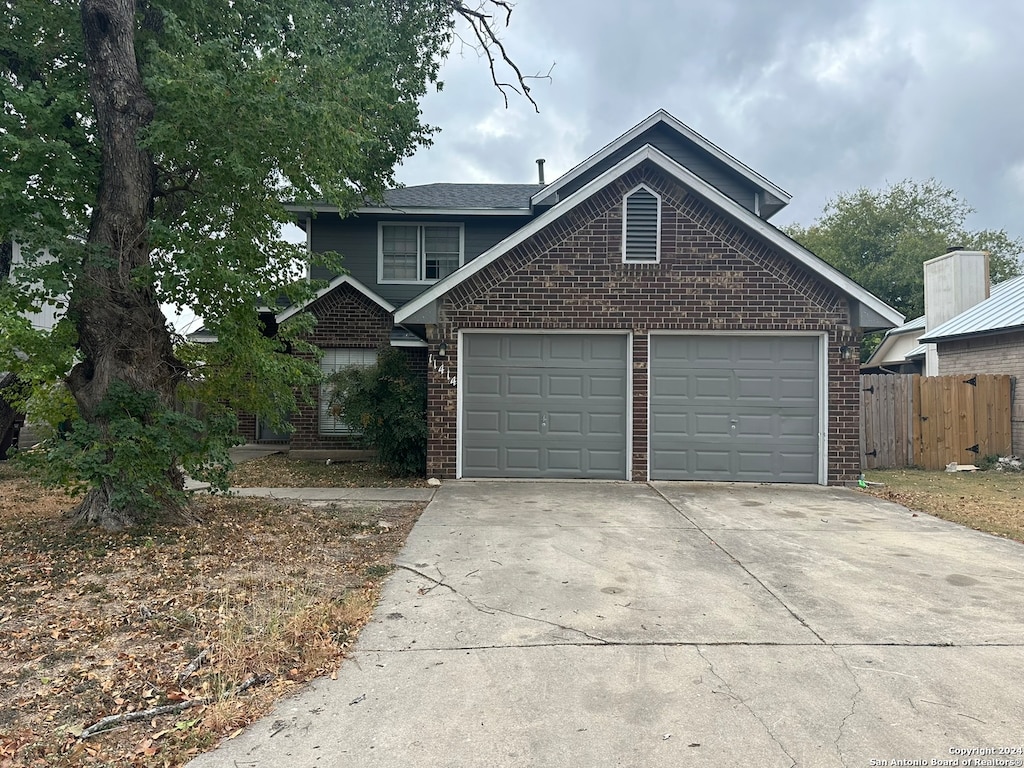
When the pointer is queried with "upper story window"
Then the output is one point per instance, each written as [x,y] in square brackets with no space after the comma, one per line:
[641,225]
[418,253]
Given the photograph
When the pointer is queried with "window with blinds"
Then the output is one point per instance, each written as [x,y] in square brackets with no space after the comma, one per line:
[641,226]
[418,253]
[332,361]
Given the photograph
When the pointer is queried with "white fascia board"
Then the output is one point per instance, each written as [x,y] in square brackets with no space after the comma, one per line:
[686,177]
[661,116]
[411,211]
[340,280]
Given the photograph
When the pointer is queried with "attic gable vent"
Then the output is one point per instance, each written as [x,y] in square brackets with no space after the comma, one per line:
[641,226]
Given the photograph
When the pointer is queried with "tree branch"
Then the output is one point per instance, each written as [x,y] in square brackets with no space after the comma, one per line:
[491,46]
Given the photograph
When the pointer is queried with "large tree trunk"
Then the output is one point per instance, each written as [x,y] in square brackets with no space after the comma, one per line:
[122,332]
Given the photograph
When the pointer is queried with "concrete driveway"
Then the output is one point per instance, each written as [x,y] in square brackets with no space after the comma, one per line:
[672,624]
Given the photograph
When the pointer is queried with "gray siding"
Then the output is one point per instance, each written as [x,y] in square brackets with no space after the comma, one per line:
[687,155]
[355,238]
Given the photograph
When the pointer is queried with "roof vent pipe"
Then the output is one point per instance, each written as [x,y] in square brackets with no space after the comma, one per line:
[540,170]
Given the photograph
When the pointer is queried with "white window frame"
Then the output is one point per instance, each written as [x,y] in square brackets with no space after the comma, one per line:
[421,266]
[328,425]
[625,226]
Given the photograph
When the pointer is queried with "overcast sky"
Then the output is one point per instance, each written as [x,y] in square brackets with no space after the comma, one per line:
[820,97]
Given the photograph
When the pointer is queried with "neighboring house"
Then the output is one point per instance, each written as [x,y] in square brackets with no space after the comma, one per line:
[899,350]
[987,338]
[637,318]
[969,327]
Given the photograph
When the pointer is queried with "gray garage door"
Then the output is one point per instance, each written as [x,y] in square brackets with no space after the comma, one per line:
[734,408]
[544,405]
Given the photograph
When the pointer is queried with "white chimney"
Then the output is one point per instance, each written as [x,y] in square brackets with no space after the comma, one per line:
[953,283]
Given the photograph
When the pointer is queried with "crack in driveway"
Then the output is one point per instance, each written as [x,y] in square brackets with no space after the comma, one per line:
[727,689]
[736,560]
[853,703]
[491,610]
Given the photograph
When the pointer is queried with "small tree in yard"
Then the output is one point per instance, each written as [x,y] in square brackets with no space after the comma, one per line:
[147,148]
[386,404]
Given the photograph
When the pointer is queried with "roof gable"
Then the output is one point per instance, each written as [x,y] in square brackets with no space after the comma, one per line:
[677,140]
[335,283]
[744,217]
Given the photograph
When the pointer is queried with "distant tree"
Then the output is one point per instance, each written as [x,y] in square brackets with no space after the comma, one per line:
[146,150]
[881,239]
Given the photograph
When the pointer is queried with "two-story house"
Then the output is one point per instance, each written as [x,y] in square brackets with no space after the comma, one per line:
[636,318]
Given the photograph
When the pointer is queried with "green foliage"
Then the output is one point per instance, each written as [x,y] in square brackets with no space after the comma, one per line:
[882,238]
[255,103]
[386,403]
[131,453]
[988,462]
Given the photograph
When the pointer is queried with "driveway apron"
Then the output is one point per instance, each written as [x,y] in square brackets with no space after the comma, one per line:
[672,624]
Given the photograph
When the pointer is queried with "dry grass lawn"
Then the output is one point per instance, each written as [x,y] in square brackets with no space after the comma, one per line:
[281,471]
[987,501]
[214,622]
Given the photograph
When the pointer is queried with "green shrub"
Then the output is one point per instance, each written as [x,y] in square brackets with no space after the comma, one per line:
[386,404]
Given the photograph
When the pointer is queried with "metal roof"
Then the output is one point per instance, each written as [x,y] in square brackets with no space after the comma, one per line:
[1002,311]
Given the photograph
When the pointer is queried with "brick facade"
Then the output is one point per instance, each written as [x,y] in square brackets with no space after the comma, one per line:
[713,276]
[1000,353]
[346,318]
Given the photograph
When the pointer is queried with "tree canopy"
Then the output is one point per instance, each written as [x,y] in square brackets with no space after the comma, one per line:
[881,239]
[147,148]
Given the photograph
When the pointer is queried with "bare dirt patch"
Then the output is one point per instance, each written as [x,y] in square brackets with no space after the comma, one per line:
[986,501]
[262,596]
[281,471]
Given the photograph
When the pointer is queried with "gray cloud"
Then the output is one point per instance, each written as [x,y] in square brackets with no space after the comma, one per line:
[822,98]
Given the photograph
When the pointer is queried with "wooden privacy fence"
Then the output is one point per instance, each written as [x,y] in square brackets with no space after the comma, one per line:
[931,421]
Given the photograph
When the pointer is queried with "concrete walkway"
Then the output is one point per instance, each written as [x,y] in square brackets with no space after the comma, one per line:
[616,624]
[249,452]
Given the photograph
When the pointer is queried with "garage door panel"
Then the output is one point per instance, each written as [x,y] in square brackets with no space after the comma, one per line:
[605,424]
[756,387]
[565,459]
[482,384]
[670,384]
[523,384]
[565,423]
[560,385]
[482,421]
[527,422]
[567,348]
[711,424]
[607,386]
[749,412]
[710,460]
[484,348]
[755,425]
[518,348]
[798,426]
[522,458]
[712,386]
[481,456]
[561,401]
